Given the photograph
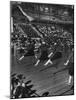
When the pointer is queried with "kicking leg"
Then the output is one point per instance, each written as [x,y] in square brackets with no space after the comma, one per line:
[21,58]
[49,61]
[50,54]
[66,63]
[68,59]
[37,62]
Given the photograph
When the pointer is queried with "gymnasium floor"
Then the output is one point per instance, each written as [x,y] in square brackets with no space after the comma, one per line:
[44,78]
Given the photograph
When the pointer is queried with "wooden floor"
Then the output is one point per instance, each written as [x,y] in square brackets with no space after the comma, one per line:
[48,78]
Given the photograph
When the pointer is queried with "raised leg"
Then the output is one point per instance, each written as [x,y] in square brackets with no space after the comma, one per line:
[21,58]
[37,62]
[49,61]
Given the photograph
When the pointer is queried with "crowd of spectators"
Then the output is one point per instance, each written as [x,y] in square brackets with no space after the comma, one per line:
[54,36]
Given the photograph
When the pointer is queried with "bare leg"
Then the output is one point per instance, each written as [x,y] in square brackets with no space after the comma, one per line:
[66,63]
[21,58]
[50,54]
[37,62]
[49,61]
[68,59]
[69,80]
[36,56]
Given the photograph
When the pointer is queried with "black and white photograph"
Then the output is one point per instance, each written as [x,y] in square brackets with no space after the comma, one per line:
[41,49]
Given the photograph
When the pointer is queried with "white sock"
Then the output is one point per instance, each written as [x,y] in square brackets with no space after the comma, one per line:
[37,62]
[49,61]
[21,58]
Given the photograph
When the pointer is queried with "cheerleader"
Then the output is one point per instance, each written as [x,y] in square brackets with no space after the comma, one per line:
[44,53]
